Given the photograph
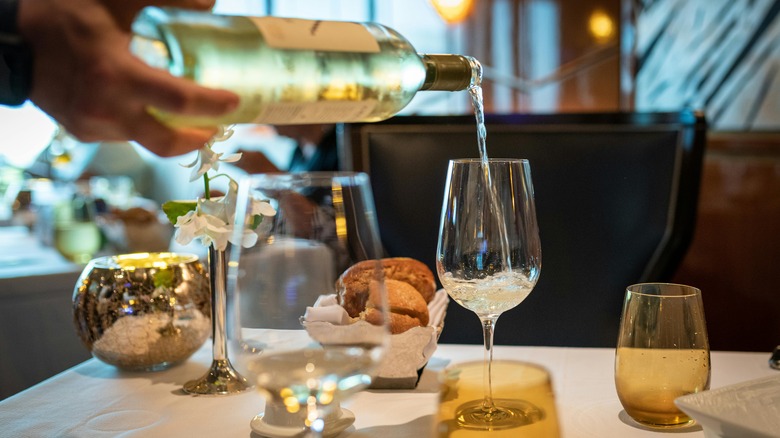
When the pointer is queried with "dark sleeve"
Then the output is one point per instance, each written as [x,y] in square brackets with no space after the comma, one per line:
[15,59]
[326,158]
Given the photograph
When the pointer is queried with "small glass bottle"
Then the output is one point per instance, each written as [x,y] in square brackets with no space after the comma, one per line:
[295,71]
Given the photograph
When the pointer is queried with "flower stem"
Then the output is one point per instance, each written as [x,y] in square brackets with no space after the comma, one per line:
[207,195]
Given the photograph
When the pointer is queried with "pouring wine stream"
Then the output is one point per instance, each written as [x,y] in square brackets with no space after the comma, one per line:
[489,322]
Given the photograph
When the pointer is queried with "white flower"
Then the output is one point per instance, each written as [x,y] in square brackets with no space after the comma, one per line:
[258,211]
[211,230]
[212,220]
[209,159]
[223,133]
[189,227]
[217,233]
[215,207]
[263,208]
[248,238]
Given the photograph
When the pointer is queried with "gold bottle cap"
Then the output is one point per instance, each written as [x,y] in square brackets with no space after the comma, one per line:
[451,72]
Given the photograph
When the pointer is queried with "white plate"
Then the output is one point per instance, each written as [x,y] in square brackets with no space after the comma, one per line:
[746,410]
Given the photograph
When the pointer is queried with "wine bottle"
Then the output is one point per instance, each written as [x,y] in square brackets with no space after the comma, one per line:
[295,71]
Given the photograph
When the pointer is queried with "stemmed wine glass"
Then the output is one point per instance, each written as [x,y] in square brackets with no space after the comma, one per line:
[295,342]
[488,259]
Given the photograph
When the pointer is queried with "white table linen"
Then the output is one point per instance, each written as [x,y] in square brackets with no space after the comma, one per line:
[97,400]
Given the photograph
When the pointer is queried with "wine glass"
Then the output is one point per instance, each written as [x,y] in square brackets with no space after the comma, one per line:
[488,259]
[76,234]
[295,342]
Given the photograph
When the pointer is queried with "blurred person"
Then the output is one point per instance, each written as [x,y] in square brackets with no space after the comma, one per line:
[316,147]
[315,150]
[72,59]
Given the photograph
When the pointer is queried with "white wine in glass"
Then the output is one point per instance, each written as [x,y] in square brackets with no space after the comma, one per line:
[76,235]
[489,259]
[662,352]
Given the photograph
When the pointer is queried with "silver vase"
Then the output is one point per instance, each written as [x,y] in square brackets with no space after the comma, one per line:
[221,378]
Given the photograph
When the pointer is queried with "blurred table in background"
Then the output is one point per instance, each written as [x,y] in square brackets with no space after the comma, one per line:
[37,338]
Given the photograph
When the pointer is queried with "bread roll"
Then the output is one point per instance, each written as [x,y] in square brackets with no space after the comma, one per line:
[352,285]
[406,307]
[413,272]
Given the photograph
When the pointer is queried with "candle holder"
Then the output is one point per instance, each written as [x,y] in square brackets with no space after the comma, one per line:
[144,311]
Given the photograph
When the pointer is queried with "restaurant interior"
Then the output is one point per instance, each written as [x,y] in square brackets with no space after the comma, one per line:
[652,128]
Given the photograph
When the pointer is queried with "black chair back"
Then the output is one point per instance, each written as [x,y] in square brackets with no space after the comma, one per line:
[616,198]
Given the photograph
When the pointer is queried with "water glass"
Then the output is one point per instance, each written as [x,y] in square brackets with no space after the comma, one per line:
[662,352]
[306,364]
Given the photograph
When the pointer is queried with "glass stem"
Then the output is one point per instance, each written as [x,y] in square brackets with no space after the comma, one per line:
[488,327]
[315,420]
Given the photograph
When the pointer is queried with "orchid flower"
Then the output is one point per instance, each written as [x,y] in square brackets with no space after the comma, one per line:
[208,159]
[188,227]
[211,220]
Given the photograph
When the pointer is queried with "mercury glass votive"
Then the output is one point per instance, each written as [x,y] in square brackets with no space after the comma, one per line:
[143,312]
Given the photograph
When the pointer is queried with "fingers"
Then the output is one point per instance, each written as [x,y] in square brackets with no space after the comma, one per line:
[187,4]
[162,140]
[165,141]
[176,95]
[146,87]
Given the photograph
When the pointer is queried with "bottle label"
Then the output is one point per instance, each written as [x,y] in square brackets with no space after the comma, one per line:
[329,36]
[294,113]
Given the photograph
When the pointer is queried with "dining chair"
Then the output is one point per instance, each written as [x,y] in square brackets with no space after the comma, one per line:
[616,197]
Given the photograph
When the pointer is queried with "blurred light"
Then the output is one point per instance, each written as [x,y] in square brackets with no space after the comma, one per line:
[453,11]
[25,132]
[601,25]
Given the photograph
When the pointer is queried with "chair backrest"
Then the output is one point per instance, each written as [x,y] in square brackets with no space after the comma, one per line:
[615,193]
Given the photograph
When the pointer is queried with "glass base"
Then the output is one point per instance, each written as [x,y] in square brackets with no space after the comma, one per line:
[149,368]
[682,424]
[506,414]
[221,379]
[265,425]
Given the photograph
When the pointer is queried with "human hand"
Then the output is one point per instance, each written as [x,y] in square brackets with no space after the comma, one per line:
[86,78]
[255,162]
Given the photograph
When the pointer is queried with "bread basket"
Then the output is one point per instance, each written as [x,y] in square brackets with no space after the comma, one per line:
[409,351]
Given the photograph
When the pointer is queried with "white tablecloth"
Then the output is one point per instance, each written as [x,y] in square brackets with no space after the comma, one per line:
[96,400]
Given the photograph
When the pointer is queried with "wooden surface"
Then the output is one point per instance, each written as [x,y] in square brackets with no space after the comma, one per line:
[735,254]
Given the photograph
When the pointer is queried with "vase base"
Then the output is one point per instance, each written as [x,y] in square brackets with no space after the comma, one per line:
[221,379]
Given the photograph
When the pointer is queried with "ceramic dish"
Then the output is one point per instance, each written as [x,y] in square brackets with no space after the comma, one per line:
[746,410]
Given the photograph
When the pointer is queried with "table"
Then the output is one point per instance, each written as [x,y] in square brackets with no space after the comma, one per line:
[93,399]
[37,338]
[23,255]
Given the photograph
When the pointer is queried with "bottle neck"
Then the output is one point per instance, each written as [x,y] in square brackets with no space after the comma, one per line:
[451,72]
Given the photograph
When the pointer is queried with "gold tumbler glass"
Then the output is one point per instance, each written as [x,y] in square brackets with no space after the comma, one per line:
[662,352]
